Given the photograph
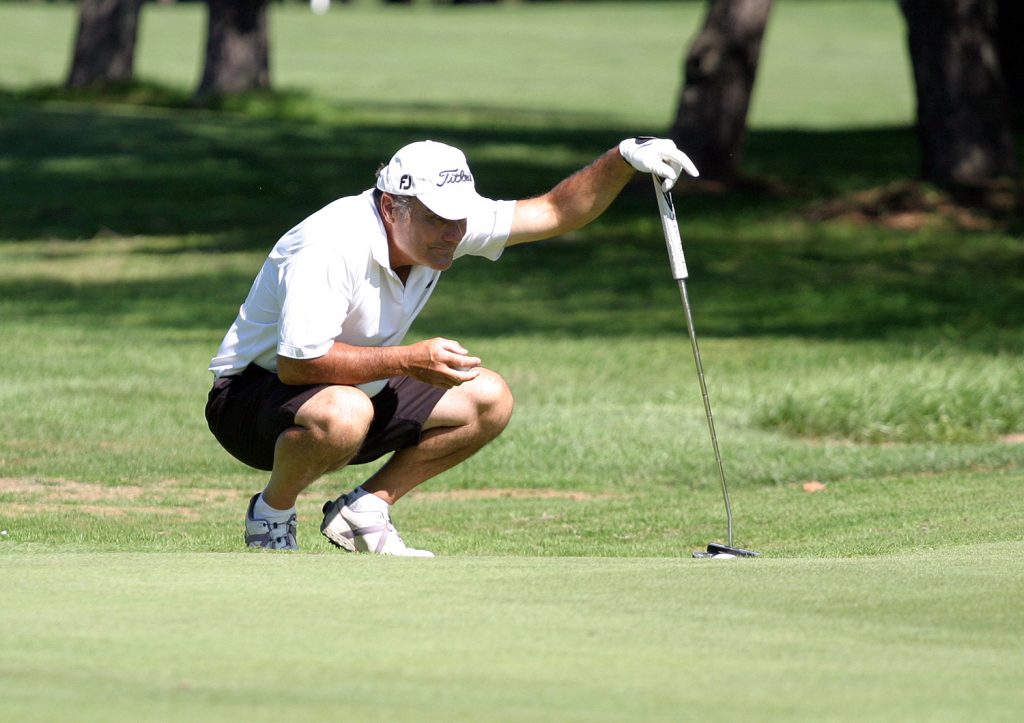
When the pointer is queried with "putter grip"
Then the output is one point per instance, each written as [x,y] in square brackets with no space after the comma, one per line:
[670,226]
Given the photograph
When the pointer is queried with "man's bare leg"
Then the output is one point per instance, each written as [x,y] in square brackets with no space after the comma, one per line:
[329,429]
[465,419]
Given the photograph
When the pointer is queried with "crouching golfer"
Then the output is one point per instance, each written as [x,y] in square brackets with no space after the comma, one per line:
[313,376]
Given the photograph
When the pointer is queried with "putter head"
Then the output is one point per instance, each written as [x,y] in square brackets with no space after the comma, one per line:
[716,549]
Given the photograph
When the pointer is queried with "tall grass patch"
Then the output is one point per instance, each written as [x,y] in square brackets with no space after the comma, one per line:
[934,396]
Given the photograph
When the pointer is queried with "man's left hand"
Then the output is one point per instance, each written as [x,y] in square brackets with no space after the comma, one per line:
[658,156]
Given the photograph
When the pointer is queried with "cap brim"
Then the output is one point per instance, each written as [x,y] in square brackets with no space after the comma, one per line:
[452,206]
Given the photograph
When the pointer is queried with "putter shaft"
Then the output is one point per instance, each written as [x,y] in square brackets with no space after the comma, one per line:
[707,404]
[674,244]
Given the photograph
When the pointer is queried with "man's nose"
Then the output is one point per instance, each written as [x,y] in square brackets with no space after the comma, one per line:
[454,231]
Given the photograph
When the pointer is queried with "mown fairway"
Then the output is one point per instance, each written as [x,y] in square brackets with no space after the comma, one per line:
[880,360]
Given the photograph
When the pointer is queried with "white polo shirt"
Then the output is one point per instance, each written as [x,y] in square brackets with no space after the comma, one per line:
[330,279]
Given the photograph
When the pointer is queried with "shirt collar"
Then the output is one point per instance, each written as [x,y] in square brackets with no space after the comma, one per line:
[379,242]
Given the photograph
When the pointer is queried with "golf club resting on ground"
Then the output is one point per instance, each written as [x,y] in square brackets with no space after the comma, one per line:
[313,375]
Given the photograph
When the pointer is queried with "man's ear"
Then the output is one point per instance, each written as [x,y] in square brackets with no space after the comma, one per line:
[387,208]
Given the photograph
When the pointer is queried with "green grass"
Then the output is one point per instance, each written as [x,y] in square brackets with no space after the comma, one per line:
[883,364]
[567,639]
[594,60]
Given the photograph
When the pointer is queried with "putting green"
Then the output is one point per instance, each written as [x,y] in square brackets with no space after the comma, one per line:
[937,635]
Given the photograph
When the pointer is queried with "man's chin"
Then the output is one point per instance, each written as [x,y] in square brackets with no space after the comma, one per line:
[442,263]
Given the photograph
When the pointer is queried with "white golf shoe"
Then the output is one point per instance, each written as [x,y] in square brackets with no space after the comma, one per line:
[271,535]
[370,531]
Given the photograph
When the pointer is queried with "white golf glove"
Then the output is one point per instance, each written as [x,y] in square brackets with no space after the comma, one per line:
[658,156]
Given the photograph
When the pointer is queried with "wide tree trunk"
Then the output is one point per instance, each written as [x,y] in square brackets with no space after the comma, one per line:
[962,118]
[719,71]
[1009,31]
[237,49]
[105,43]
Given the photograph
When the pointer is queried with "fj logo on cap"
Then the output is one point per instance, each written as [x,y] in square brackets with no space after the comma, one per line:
[405,182]
[455,175]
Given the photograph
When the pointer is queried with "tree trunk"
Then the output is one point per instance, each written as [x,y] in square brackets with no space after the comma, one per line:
[962,121]
[1009,31]
[237,50]
[720,67]
[105,44]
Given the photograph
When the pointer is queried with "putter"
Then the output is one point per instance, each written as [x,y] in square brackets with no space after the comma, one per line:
[674,243]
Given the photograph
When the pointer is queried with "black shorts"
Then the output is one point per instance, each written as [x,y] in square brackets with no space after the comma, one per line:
[247,413]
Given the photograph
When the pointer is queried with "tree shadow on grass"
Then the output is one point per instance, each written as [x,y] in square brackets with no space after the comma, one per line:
[599,286]
[72,171]
[737,289]
[233,182]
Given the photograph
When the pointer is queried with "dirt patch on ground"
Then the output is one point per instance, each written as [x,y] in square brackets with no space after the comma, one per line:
[1016,438]
[69,490]
[58,494]
[167,497]
[521,494]
[912,206]
[24,510]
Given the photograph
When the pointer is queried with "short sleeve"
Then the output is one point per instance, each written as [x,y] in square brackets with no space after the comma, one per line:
[487,231]
[314,305]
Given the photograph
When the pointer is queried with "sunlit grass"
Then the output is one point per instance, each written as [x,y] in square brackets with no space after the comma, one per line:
[821,62]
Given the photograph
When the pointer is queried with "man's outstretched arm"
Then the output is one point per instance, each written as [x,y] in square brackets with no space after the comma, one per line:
[586,194]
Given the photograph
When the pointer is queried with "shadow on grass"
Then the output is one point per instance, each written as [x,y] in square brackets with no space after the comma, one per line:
[239,181]
[73,170]
[738,289]
[600,286]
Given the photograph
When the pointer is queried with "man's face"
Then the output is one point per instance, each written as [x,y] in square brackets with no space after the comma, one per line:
[420,237]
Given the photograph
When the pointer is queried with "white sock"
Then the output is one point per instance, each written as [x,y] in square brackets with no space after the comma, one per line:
[359,500]
[262,511]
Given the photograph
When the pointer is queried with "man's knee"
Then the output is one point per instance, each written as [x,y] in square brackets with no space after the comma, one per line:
[494,400]
[337,416]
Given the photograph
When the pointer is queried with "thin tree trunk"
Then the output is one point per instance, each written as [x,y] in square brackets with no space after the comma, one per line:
[720,67]
[962,120]
[237,50]
[105,44]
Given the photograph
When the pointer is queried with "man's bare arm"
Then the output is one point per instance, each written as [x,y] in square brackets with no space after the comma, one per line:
[585,195]
[441,362]
[574,202]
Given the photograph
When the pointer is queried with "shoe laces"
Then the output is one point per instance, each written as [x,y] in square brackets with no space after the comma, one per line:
[394,531]
[394,536]
[282,533]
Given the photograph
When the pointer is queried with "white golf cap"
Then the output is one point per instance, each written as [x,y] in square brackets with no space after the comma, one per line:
[436,174]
